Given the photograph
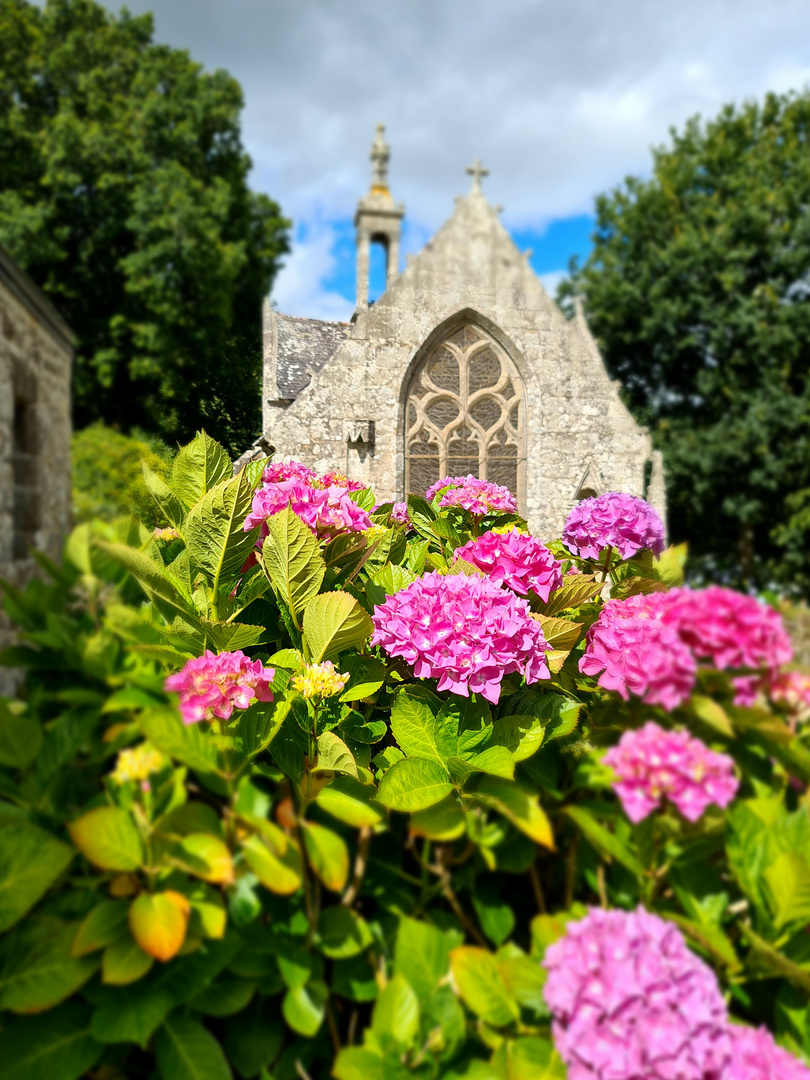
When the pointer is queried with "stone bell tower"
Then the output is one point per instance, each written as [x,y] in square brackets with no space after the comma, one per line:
[378,221]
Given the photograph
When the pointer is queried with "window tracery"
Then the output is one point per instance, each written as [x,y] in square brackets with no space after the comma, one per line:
[464,413]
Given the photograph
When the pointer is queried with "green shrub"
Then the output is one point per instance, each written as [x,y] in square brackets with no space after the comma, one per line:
[361,884]
[108,477]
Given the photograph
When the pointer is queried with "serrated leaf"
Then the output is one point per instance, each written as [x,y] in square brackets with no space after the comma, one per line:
[476,974]
[495,760]
[334,756]
[291,557]
[185,1050]
[167,501]
[366,676]
[577,589]
[108,838]
[30,861]
[328,855]
[561,634]
[787,884]
[522,735]
[414,784]
[421,728]
[395,1018]
[199,465]
[158,922]
[57,1045]
[422,955]
[334,622]
[214,533]
[522,809]
[444,822]
[159,586]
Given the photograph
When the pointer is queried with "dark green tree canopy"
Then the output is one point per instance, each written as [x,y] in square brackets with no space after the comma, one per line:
[698,289]
[124,194]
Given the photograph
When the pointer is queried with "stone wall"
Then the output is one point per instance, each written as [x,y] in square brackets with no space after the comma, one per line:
[470,271]
[35,367]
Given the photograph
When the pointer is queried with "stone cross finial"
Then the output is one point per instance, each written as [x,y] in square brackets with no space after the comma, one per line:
[476,171]
[380,153]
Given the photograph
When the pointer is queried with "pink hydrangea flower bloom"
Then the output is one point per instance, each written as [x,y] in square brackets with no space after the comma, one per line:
[513,559]
[399,514]
[755,1056]
[478,496]
[730,629]
[613,520]
[652,764]
[340,480]
[465,631]
[327,511]
[211,686]
[278,472]
[791,689]
[630,1001]
[634,652]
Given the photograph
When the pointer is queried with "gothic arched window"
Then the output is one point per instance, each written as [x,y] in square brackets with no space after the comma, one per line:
[465,413]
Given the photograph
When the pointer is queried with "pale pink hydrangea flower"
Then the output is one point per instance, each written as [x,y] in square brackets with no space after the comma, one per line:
[464,631]
[478,496]
[613,520]
[516,560]
[630,1001]
[791,689]
[730,629]
[340,480]
[399,514]
[327,511]
[652,764]
[755,1056]
[278,472]
[211,686]
[634,652]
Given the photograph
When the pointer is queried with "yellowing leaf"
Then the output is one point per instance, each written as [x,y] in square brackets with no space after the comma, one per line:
[348,800]
[207,857]
[333,622]
[523,810]
[279,870]
[328,855]
[158,922]
[561,634]
[108,838]
[475,973]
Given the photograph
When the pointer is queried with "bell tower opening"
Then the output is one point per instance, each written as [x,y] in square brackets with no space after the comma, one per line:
[379,227]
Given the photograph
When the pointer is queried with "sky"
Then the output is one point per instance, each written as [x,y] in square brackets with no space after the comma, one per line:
[560,99]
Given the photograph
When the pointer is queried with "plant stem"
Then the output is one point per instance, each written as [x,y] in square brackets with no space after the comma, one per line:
[360,862]
[537,889]
[606,564]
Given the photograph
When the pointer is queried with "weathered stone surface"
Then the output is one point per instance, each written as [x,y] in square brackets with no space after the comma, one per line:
[35,361]
[575,436]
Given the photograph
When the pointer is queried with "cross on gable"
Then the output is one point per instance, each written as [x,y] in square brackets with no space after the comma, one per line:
[476,171]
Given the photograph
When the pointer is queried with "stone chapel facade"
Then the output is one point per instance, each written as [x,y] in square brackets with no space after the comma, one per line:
[463,365]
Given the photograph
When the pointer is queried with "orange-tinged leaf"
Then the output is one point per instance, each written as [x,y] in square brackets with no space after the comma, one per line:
[207,857]
[158,922]
[109,838]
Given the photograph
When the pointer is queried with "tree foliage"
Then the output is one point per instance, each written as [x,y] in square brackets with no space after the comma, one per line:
[360,884]
[123,193]
[698,290]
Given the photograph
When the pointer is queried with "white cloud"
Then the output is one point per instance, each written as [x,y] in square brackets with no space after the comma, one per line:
[299,289]
[561,99]
[551,280]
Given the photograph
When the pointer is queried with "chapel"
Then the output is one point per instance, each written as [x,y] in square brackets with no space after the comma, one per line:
[463,365]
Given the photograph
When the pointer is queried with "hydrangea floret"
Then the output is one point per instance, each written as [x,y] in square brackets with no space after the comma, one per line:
[138,763]
[327,511]
[614,520]
[211,686]
[652,764]
[399,514]
[755,1056]
[634,652]
[320,680]
[465,631]
[791,690]
[629,1000]
[479,497]
[515,560]
[279,472]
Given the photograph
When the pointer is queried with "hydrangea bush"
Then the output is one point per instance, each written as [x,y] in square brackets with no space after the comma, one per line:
[297,786]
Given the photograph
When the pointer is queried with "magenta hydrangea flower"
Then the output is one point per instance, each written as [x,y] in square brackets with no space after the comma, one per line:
[652,764]
[327,511]
[630,1001]
[278,472]
[730,629]
[634,652]
[755,1056]
[211,686]
[399,514]
[513,559]
[613,520]
[465,631]
[478,496]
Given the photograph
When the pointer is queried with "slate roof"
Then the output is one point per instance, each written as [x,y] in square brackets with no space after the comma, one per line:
[304,346]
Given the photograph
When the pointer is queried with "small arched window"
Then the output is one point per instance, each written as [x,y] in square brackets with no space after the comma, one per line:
[465,413]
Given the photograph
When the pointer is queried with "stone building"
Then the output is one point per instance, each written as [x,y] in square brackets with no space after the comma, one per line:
[36,353]
[463,365]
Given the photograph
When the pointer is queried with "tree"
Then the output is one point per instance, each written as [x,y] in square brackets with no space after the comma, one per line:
[123,193]
[697,289]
